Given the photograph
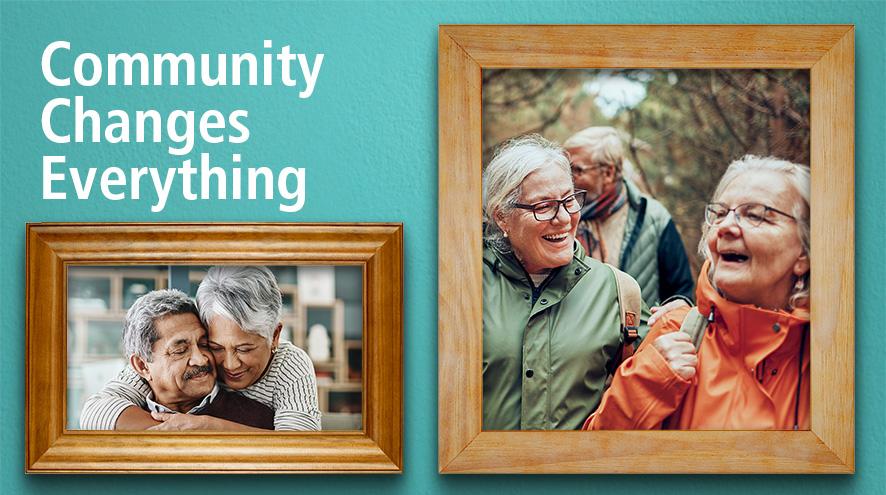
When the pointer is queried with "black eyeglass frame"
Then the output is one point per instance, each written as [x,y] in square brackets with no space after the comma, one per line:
[738,216]
[578,195]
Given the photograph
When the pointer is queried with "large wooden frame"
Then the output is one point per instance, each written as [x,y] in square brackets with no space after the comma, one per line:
[51,248]
[828,51]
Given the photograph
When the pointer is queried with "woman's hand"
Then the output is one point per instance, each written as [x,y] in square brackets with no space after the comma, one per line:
[181,422]
[659,311]
[679,351]
[134,418]
[191,422]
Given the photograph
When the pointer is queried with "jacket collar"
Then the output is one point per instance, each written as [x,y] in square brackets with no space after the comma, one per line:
[634,195]
[561,280]
[756,333]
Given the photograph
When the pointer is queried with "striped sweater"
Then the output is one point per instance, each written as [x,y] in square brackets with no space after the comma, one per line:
[289,387]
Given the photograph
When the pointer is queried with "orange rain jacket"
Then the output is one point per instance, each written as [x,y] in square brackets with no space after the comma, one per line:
[746,377]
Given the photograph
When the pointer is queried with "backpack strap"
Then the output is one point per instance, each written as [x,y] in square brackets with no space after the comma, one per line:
[630,304]
[695,325]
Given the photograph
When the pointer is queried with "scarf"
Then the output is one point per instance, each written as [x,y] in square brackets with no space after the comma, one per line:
[599,210]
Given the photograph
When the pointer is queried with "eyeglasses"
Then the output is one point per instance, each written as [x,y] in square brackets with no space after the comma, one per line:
[580,169]
[546,210]
[747,215]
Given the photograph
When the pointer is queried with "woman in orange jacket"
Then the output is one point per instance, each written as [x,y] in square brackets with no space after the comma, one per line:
[751,370]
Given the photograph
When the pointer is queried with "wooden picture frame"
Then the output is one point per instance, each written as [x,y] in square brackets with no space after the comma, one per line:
[52,248]
[828,52]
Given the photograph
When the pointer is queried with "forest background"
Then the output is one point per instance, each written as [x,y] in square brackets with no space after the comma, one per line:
[681,128]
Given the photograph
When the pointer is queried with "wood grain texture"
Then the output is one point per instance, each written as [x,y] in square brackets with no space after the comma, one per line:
[833,248]
[828,51]
[640,451]
[651,46]
[378,248]
[460,250]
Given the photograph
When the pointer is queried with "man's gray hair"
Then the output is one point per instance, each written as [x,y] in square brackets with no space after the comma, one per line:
[513,162]
[139,329]
[602,143]
[246,295]
[797,176]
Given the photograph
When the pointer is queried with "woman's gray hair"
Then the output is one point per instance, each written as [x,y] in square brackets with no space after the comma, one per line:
[246,295]
[139,330]
[512,163]
[798,176]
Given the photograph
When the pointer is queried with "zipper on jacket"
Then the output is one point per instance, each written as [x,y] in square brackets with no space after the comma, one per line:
[635,232]
[799,378]
[536,291]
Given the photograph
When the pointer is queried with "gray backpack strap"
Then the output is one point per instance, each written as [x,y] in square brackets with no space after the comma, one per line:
[695,325]
[630,304]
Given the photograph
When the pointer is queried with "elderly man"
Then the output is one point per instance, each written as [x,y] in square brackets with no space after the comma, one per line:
[167,346]
[623,227]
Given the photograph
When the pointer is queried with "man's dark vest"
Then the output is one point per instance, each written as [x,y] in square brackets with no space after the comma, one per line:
[234,407]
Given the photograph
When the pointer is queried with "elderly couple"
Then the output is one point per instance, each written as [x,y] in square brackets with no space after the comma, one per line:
[178,349]
[553,342]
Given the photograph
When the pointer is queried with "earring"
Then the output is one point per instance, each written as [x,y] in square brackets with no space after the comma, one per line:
[273,350]
[506,234]
[799,285]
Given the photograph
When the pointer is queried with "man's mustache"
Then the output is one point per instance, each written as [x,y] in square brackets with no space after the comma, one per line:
[197,371]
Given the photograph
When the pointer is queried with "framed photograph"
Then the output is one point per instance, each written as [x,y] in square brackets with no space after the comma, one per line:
[492,86]
[333,364]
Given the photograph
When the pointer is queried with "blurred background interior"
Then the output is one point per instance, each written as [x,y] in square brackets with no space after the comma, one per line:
[322,314]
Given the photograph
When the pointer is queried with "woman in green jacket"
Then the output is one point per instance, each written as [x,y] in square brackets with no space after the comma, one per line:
[551,317]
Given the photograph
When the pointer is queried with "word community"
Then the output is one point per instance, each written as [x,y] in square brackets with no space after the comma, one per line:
[115,184]
[167,69]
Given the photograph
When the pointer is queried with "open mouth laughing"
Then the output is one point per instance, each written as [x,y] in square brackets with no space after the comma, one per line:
[556,238]
[733,257]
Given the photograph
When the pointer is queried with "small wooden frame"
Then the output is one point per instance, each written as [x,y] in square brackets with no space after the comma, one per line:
[828,51]
[51,248]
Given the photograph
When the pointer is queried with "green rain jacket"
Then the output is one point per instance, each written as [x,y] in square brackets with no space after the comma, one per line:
[547,351]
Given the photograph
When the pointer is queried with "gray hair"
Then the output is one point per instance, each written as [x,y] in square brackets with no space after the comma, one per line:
[246,295]
[797,176]
[139,329]
[504,175]
[602,143]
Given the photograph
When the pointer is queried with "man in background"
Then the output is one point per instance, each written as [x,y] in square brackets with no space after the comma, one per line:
[623,227]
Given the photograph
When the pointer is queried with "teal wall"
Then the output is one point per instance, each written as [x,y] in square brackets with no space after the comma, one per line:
[368,138]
